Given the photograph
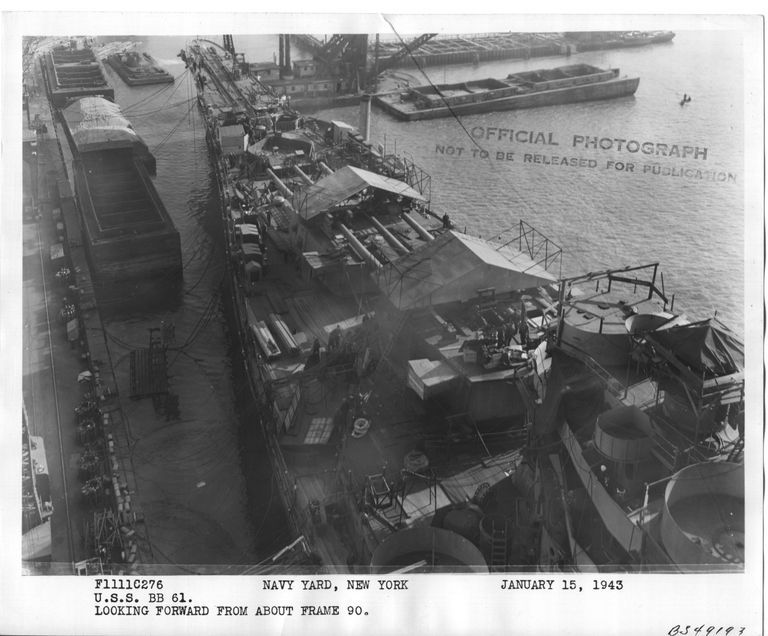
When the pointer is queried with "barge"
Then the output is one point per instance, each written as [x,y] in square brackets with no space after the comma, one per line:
[139,69]
[408,378]
[129,236]
[527,89]
[72,72]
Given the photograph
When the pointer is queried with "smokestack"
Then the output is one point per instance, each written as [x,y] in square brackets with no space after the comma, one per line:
[287,47]
[365,116]
[281,54]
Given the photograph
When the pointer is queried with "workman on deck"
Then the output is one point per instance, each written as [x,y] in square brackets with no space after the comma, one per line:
[523,332]
[335,339]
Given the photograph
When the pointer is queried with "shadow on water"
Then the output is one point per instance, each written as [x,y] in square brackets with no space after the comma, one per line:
[141,296]
[265,510]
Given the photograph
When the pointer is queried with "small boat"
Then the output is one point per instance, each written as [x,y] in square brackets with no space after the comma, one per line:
[527,89]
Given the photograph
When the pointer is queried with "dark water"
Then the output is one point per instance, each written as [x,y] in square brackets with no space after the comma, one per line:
[601,218]
[215,507]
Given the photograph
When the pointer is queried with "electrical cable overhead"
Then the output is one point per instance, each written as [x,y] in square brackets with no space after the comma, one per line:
[173,130]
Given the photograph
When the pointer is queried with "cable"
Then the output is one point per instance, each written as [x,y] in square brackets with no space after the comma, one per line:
[267,509]
[157,110]
[146,98]
[173,131]
[202,276]
[437,91]
[176,87]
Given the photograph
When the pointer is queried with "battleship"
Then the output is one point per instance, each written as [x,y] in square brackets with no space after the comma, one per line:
[432,401]
[412,379]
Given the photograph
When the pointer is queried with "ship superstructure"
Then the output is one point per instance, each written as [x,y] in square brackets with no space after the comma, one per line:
[641,437]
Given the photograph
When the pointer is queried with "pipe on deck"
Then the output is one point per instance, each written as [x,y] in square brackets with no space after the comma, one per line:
[287,192]
[326,170]
[359,248]
[391,238]
[419,230]
[303,175]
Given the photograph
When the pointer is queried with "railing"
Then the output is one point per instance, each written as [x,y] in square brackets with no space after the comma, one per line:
[541,250]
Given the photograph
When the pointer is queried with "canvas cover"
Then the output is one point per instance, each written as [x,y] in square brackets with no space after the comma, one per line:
[453,267]
[707,347]
[342,185]
[96,123]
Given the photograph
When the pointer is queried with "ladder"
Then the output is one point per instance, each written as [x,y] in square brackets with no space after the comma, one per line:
[738,450]
[498,546]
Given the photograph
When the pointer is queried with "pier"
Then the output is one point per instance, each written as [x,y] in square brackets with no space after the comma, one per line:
[473,49]
[429,49]
[53,379]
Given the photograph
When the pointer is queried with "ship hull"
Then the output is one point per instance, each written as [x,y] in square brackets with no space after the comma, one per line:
[254,399]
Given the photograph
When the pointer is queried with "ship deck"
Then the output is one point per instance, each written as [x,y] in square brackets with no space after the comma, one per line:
[327,461]
[361,443]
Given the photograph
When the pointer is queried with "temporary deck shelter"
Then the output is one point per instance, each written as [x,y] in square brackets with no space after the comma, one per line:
[344,184]
[454,267]
[706,357]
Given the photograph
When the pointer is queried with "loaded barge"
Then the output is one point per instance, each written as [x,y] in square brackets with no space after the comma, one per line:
[129,236]
[139,69]
[527,89]
[409,378]
[72,72]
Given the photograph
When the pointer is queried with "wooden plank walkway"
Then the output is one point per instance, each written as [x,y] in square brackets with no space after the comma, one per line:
[149,372]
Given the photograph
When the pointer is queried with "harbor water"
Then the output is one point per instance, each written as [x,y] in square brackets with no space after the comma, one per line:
[207,472]
[604,216]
